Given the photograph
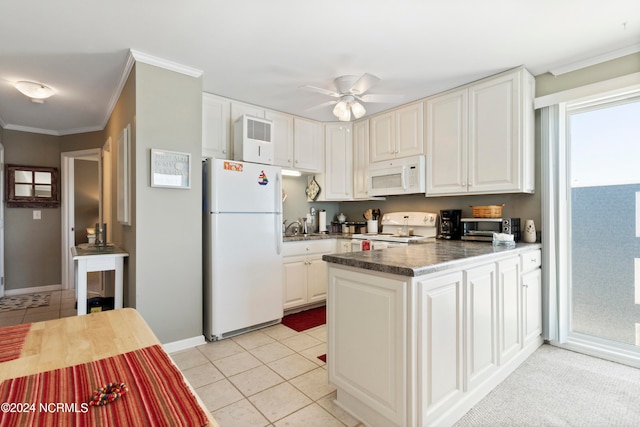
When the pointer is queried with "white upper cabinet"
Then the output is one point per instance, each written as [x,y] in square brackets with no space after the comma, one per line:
[397,133]
[215,127]
[338,176]
[360,159]
[282,138]
[480,138]
[308,143]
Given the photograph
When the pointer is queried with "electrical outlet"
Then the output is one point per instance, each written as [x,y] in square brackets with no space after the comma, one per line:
[37,214]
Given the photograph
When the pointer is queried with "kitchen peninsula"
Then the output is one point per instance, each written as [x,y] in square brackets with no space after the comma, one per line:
[419,334]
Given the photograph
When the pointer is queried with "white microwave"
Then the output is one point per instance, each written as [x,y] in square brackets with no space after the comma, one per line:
[398,176]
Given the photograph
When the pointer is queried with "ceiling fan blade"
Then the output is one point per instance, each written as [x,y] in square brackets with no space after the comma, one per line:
[321,90]
[320,106]
[388,99]
[364,83]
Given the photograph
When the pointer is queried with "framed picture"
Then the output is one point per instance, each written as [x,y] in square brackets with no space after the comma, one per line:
[123,177]
[170,169]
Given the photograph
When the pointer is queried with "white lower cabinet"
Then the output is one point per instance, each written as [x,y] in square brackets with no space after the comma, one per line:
[480,292]
[509,308]
[531,296]
[440,344]
[368,346]
[304,272]
[421,351]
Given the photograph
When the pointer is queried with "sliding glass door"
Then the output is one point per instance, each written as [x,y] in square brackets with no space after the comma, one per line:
[603,232]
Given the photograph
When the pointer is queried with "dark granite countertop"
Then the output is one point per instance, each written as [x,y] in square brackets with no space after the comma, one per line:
[315,236]
[417,260]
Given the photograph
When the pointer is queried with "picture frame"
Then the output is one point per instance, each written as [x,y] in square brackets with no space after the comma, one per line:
[170,169]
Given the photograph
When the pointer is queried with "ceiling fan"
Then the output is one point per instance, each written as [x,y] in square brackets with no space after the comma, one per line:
[350,94]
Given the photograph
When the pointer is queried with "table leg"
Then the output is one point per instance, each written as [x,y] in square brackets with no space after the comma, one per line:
[81,286]
[119,283]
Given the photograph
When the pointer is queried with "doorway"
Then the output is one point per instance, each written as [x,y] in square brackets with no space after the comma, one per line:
[1,220]
[602,309]
[74,203]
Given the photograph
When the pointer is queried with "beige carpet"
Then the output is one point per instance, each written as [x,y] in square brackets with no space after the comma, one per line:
[557,387]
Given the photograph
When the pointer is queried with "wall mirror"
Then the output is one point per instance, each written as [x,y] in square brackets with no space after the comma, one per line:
[32,186]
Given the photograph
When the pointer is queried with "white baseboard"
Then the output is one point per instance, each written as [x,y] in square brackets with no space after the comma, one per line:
[185,344]
[33,290]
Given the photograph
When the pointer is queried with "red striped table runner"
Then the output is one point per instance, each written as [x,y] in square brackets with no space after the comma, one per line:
[157,394]
[12,340]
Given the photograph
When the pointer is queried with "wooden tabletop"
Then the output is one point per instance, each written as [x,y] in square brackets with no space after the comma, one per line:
[55,344]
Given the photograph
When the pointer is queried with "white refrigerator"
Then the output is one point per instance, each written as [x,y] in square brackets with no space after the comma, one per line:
[243,247]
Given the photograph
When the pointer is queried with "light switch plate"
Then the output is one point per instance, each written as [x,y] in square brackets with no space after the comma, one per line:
[37,214]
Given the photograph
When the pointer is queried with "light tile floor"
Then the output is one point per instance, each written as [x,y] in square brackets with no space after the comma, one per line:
[269,377]
[61,304]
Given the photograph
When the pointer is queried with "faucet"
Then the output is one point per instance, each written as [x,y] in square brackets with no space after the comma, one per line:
[296,228]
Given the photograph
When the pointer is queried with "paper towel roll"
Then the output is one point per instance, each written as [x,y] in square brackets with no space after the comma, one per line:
[322,221]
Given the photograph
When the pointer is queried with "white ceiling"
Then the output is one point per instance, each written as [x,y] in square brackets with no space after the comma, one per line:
[261,51]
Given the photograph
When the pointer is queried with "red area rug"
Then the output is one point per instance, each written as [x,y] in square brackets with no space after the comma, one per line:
[157,394]
[12,340]
[306,319]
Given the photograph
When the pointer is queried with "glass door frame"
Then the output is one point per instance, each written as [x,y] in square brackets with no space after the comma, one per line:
[600,347]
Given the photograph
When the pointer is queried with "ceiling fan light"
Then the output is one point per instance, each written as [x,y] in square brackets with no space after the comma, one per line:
[34,90]
[342,110]
[357,109]
[345,117]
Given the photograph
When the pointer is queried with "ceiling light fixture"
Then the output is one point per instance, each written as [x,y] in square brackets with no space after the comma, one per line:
[347,105]
[36,91]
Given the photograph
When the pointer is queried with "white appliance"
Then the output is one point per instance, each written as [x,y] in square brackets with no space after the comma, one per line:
[253,140]
[243,252]
[398,229]
[398,176]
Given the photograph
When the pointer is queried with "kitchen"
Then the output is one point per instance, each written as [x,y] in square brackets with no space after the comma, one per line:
[152,272]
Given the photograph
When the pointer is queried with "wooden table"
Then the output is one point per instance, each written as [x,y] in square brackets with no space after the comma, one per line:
[56,344]
[88,258]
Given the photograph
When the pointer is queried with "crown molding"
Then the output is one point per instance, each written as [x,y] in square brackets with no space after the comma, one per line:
[53,132]
[595,60]
[164,63]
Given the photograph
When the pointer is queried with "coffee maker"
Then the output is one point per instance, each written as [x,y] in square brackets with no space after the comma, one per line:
[450,228]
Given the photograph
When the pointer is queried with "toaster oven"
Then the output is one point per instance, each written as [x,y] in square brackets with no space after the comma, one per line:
[482,229]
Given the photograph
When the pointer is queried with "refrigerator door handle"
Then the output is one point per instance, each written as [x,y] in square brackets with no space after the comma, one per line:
[278,218]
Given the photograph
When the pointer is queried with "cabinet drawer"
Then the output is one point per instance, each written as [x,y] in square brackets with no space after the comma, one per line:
[531,260]
[324,246]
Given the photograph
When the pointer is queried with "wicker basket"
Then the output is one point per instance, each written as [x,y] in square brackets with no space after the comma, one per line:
[490,211]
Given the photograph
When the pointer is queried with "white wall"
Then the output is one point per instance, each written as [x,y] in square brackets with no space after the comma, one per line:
[168,222]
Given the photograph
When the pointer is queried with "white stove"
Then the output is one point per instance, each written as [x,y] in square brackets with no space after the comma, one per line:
[398,229]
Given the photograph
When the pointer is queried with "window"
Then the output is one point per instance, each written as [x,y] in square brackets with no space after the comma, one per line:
[32,186]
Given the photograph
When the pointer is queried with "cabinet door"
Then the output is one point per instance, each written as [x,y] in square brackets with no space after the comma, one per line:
[383,135]
[494,143]
[509,313]
[409,130]
[308,152]
[481,326]
[360,159]
[338,176]
[215,127]
[531,305]
[294,273]
[367,341]
[317,277]
[282,138]
[440,344]
[446,128]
